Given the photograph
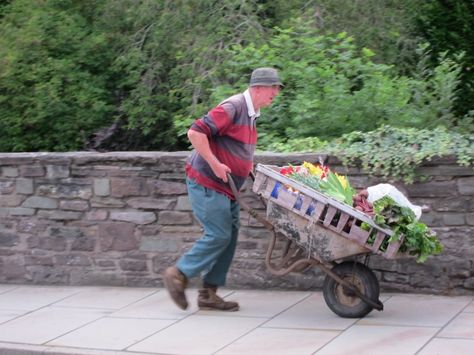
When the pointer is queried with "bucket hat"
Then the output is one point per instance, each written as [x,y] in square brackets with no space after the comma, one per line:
[265,77]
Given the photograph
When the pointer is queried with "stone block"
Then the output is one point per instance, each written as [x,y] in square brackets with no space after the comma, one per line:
[73,260]
[32,171]
[172,176]
[444,170]
[164,243]
[74,205]
[432,189]
[13,270]
[52,243]
[469,283]
[196,229]
[457,268]
[65,191]
[24,186]
[466,186]
[128,187]
[183,204]
[32,226]
[7,186]
[454,219]
[457,241]
[97,215]
[84,181]
[105,263]
[173,218]
[162,187]
[151,203]
[452,204]
[395,277]
[117,237]
[9,171]
[357,181]
[102,187]
[39,260]
[8,239]
[470,219]
[247,245]
[66,232]
[134,217]
[107,202]
[40,202]
[83,244]
[432,219]
[57,171]
[256,233]
[11,200]
[149,229]
[21,211]
[133,265]
[49,275]
[60,215]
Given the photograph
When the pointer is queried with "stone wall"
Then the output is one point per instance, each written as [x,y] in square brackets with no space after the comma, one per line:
[121,218]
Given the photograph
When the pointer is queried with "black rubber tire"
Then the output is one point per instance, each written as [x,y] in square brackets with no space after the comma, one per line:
[340,301]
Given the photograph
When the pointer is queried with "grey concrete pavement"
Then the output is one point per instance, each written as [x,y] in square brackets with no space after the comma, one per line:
[112,320]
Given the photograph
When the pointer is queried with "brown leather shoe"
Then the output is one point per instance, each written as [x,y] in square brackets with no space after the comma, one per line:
[175,283]
[208,300]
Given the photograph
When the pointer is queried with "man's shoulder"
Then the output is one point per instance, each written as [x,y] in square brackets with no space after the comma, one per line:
[237,99]
[234,106]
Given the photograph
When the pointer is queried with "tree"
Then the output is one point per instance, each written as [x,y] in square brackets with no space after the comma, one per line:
[447,25]
[53,86]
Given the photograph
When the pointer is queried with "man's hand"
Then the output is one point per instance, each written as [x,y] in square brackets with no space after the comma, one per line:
[220,170]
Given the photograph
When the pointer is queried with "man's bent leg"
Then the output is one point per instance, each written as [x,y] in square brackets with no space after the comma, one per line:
[208,299]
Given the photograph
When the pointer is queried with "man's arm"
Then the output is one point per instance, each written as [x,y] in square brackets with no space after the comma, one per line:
[200,142]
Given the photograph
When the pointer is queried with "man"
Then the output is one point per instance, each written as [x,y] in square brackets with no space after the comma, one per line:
[224,142]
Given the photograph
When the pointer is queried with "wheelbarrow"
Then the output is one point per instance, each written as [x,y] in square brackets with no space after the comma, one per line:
[321,232]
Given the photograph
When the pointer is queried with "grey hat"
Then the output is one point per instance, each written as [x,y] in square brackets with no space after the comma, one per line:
[265,77]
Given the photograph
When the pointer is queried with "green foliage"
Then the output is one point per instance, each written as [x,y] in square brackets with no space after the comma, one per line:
[134,74]
[386,27]
[395,153]
[50,95]
[448,26]
[418,239]
[331,88]
[267,141]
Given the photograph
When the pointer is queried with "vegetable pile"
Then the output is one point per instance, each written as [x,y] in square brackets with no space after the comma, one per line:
[418,239]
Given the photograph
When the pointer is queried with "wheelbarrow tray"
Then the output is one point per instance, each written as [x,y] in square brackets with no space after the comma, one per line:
[325,227]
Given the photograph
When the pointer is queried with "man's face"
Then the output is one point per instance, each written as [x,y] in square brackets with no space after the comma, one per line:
[266,94]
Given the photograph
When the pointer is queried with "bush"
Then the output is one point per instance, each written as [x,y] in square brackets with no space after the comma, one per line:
[332,89]
[395,153]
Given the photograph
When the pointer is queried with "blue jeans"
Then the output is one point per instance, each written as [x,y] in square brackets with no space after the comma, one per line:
[212,254]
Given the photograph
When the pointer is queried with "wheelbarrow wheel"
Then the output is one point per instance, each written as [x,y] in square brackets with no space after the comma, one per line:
[341,300]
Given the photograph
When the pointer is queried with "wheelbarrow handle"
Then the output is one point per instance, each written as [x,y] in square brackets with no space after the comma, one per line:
[245,206]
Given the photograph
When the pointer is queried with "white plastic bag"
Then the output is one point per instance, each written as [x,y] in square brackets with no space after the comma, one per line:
[376,192]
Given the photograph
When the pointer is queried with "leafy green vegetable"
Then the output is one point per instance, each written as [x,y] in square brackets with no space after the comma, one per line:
[337,187]
[418,241]
[334,185]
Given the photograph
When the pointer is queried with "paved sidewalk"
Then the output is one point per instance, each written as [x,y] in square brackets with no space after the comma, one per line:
[112,320]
